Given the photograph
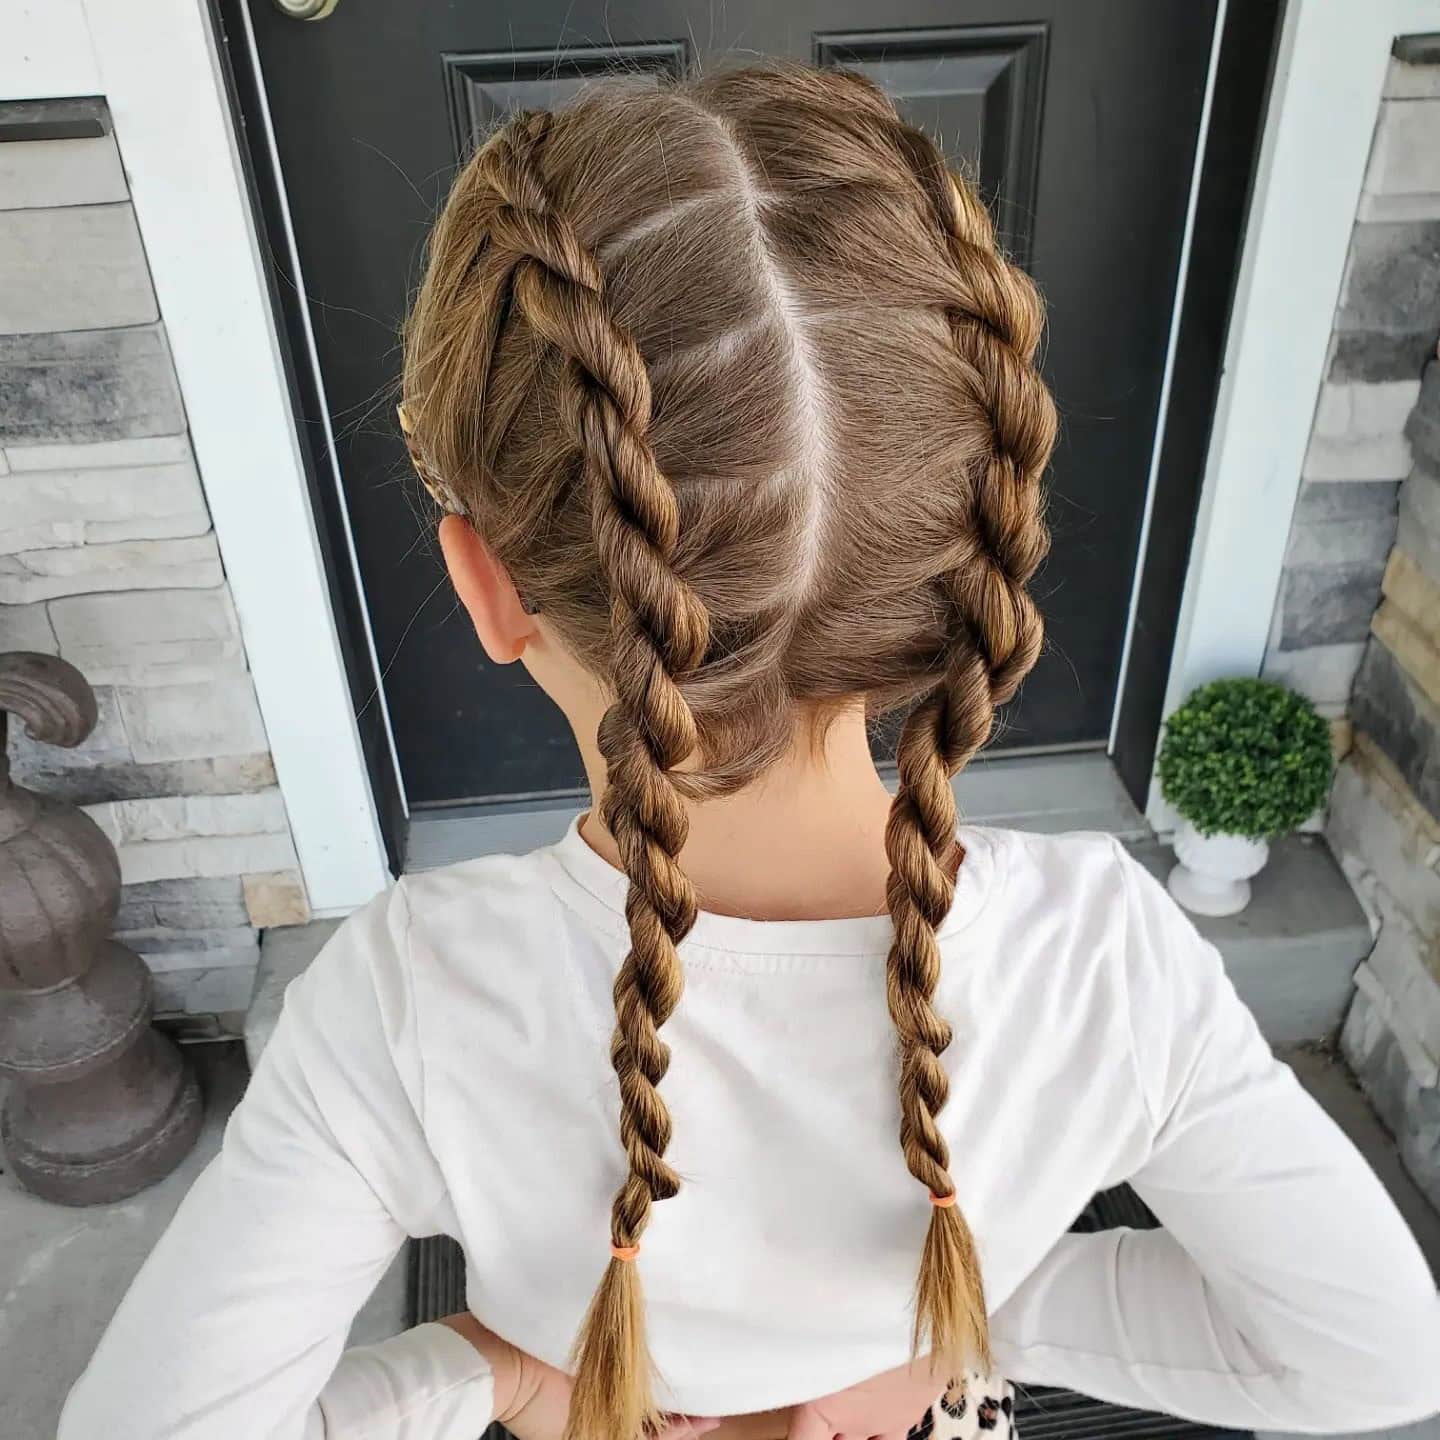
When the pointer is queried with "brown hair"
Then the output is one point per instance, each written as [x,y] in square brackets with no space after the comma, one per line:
[733,379]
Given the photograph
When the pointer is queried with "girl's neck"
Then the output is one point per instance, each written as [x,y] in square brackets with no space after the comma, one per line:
[807,842]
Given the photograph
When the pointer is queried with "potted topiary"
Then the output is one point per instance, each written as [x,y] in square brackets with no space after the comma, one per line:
[1242,761]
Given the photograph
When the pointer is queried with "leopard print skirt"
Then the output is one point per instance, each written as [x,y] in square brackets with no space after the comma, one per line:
[982,1407]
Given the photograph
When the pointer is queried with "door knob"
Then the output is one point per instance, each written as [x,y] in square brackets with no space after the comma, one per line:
[305,9]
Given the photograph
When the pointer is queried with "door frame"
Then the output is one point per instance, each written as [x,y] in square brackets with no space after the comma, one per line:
[1249,37]
[230,339]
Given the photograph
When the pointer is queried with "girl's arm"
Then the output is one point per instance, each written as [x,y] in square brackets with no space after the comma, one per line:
[1284,1292]
[236,1322]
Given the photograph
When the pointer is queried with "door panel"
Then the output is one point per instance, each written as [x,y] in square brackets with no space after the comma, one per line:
[1079,118]
[979,90]
[486,88]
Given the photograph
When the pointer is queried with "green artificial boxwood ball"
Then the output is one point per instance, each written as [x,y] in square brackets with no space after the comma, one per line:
[1246,757]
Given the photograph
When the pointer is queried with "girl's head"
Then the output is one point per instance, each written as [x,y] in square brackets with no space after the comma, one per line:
[735,386]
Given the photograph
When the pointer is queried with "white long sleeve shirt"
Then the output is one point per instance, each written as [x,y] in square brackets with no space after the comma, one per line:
[443,1067]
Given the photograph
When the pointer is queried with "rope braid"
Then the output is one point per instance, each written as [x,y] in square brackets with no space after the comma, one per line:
[998,634]
[659,634]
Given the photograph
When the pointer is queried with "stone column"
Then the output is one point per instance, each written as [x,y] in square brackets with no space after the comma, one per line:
[108,559]
[1366,533]
[1385,816]
[100,1104]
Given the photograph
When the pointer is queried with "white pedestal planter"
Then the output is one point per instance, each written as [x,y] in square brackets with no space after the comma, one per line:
[1213,876]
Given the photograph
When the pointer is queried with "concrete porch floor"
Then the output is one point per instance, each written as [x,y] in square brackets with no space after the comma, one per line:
[62,1272]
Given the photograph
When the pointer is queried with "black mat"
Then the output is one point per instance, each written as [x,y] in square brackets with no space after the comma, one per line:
[436,1286]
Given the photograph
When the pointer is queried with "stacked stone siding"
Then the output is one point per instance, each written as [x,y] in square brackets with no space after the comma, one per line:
[108,558]
[1358,623]
[1359,452]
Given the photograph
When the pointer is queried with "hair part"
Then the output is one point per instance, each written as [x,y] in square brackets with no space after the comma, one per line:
[735,381]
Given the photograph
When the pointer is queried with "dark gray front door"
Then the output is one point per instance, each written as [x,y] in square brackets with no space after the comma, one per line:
[1080,117]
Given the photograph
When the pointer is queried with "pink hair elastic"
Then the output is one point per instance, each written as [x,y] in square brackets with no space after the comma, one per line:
[942,1202]
[624,1252]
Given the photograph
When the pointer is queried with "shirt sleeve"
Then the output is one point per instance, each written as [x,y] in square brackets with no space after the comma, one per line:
[234,1327]
[1284,1291]
[427,1384]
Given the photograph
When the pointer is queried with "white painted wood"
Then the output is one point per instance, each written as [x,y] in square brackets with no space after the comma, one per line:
[157,68]
[45,50]
[1331,70]
[266,130]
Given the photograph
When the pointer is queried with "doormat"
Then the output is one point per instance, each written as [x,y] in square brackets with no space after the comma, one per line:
[435,1286]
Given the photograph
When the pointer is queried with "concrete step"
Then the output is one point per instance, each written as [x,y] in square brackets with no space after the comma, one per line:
[284,954]
[1293,950]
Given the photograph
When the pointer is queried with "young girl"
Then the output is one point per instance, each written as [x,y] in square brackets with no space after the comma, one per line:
[733,404]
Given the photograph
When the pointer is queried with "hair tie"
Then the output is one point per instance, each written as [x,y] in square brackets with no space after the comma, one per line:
[942,1202]
[624,1252]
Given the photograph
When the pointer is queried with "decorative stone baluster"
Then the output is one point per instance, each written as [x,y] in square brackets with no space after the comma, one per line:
[100,1104]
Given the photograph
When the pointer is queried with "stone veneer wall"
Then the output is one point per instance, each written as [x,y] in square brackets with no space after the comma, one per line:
[1358,622]
[108,558]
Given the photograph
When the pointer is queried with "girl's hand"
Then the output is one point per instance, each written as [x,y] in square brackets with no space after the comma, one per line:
[885,1407]
[532,1399]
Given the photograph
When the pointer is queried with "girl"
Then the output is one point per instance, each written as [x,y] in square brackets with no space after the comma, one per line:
[733,406]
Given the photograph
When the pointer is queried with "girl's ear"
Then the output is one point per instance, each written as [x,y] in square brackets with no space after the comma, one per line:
[486,591]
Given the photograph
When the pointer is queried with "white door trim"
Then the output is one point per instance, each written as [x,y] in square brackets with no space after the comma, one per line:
[1162,409]
[158,69]
[312,358]
[1329,75]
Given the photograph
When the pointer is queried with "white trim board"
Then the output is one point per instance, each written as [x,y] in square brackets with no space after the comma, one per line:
[158,69]
[1323,106]
[45,50]
[312,356]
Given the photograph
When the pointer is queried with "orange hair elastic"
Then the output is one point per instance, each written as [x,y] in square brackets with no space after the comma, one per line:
[624,1252]
[942,1202]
